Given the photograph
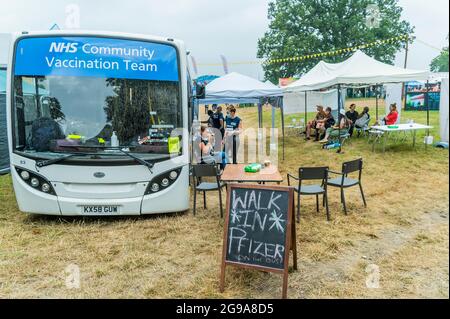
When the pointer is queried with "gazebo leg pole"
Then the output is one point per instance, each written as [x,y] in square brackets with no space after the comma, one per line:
[428,111]
[376,103]
[306,110]
[339,122]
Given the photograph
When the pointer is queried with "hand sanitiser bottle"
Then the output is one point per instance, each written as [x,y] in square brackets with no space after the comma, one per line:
[114,140]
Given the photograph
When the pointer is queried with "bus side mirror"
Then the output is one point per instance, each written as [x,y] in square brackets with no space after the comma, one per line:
[200,91]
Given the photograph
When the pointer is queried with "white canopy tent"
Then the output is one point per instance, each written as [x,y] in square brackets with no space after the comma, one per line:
[359,69]
[235,85]
[296,102]
[242,89]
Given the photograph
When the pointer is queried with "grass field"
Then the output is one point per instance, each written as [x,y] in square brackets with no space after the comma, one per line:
[403,231]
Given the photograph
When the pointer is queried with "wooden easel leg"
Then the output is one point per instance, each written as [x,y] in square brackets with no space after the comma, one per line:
[294,241]
[222,278]
[285,283]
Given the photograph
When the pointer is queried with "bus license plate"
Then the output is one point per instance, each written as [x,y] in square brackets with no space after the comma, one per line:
[99,209]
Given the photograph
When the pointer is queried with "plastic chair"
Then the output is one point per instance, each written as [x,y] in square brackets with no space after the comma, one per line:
[308,174]
[364,129]
[345,182]
[206,170]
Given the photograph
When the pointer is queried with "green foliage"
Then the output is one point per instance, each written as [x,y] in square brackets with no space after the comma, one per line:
[130,107]
[440,63]
[302,27]
[55,109]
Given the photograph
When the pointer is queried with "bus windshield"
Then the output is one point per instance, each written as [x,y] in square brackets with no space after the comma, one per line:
[95,95]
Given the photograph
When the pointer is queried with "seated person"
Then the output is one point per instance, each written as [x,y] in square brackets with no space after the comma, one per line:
[363,119]
[352,116]
[392,117]
[327,122]
[207,153]
[317,123]
[343,128]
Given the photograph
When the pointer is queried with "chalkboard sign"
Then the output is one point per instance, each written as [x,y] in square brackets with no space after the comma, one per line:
[259,228]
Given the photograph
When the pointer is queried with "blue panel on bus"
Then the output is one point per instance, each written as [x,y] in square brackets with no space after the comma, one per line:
[96,57]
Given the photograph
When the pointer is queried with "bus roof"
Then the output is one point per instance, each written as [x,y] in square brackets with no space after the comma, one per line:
[136,36]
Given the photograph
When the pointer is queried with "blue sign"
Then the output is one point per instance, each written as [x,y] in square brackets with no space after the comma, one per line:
[96,57]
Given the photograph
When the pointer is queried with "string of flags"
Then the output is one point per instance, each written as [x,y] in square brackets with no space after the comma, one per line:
[405,37]
[339,51]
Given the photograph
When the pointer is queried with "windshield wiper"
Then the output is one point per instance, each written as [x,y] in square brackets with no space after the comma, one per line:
[139,160]
[42,163]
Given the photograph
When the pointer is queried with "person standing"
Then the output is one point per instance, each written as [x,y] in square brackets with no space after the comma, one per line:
[218,120]
[352,115]
[233,129]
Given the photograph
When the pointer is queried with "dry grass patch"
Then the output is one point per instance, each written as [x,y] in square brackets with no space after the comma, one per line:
[178,256]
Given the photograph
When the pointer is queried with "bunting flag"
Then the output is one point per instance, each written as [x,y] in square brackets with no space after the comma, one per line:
[405,37]
[194,65]
[340,51]
[224,63]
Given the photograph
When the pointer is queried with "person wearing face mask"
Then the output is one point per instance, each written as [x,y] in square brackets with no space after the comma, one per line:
[218,120]
[206,146]
[233,129]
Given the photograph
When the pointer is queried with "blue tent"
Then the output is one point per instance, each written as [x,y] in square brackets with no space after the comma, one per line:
[4,152]
[205,79]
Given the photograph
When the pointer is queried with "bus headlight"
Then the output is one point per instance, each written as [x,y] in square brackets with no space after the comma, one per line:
[36,181]
[165,182]
[155,187]
[45,188]
[25,175]
[173,175]
[162,181]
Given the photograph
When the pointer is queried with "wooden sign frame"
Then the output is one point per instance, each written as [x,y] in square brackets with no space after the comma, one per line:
[290,243]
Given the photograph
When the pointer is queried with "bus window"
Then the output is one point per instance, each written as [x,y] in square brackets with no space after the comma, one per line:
[79,107]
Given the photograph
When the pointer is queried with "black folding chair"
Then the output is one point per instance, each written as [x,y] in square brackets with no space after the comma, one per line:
[311,173]
[206,170]
[345,182]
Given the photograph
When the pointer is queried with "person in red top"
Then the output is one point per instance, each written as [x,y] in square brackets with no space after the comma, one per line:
[392,117]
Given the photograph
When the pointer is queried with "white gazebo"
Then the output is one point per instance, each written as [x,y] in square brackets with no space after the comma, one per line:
[358,70]
[238,88]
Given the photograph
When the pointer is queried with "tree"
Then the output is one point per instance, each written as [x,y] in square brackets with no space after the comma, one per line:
[303,27]
[130,107]
[440,63]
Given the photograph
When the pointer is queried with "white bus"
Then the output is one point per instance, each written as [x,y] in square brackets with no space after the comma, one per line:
[98,123]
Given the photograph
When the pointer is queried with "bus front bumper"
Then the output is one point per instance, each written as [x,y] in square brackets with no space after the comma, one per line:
[173,199]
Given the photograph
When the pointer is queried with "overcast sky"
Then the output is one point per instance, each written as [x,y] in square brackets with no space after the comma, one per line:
[209,27]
